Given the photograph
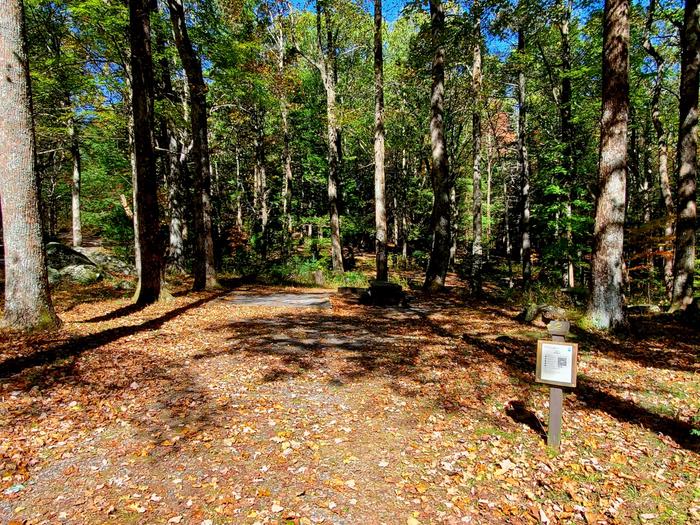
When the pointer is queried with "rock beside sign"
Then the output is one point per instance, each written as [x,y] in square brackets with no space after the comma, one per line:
[544,312]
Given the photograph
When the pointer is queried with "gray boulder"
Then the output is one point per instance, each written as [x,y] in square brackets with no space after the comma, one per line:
[107,261]
[59,256]
[81,273]
[544,311]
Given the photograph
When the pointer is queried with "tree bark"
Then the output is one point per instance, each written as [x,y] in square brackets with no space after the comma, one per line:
[281,49]
[329,74]
[288,175]
[176,179]
[477,249]
[75,188]
[606,308]
[173,153]
[439,172]
[524,166]
[260,192]
[489,184]
[204,268]
[661,144]
[239,191]
[567,133]
[379,175]
[146,214]
[27,298]
[684,260]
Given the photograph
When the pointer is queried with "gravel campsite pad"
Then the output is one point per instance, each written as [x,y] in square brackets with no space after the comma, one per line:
[207,410]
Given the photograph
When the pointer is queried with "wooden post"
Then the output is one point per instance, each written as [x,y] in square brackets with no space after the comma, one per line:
[556,329]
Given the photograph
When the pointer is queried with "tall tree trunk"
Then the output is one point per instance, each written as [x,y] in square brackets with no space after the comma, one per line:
[524,165]
[146,218]
[489,184]
[379,175]
[329,74]
[567,132]
[75,188]
[506,226]
[281,43]
[477,249]
[288,175]
[27,298]
[326,63]
[439,172]
[684,261]
[204,268]
[661,145]
[260,192]
[606,308]
[174,162]
[239,191]
[176,179]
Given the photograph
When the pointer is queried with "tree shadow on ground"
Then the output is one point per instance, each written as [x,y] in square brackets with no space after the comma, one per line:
[519,359]
[50,353]
[652,342]
[518,412]
[124,311]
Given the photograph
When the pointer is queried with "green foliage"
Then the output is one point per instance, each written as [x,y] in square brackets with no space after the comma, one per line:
[257,53]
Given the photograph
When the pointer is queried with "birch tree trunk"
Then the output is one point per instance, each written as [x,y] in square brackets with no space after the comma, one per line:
[477,249]
[27,298]
[606,308]
[260,192]
[686,221]
[379,175]
[75,187]
[439,172]
[204,268]
[280,41]
[524,166]
[288,175]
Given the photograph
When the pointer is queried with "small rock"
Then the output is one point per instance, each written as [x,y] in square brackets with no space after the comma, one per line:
[14,489]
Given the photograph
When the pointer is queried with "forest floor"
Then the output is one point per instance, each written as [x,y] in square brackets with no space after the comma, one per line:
[201,411]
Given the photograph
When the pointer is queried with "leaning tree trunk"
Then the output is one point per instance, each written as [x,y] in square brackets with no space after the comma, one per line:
[524,165]
[27,298]
[440,172]
[379,175]
[146,221]
[204,268]
[684,261]
[606,308]
[75,188]
[477,249]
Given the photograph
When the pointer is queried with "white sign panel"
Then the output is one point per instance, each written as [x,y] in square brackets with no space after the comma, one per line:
[556,363]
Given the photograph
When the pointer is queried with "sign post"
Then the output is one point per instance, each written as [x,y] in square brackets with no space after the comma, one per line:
[556,366]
